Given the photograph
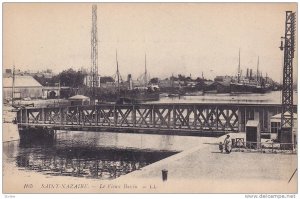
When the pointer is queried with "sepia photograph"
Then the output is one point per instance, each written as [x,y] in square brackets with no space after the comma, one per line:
[150,98]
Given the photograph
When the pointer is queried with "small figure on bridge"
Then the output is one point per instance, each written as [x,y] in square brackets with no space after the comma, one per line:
[227,144]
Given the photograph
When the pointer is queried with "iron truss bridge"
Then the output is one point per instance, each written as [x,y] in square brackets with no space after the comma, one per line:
[179,119]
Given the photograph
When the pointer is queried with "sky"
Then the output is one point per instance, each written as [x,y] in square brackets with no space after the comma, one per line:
[178,38]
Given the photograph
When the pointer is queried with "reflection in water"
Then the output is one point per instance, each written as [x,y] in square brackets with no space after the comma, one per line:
[79,158]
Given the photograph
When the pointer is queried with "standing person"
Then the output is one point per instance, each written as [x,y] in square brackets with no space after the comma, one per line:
[227,144]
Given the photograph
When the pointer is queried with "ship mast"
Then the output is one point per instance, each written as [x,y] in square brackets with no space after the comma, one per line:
[146,79]
[13,86]
[172,81]
[257,70]
[118,73]
[239,68]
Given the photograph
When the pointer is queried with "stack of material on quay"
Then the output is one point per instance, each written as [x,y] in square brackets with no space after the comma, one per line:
[25,87]
[79,100]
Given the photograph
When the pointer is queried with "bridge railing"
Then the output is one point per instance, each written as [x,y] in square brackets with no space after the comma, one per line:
[143,116]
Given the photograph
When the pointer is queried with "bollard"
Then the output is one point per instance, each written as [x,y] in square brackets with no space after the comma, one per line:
[164,174]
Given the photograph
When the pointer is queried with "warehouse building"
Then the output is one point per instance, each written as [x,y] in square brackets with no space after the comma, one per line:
[24,87]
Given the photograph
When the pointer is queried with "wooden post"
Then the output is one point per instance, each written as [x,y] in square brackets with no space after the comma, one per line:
[154,119]
[26,116]
[217,118]
[97,115]
[239,120]
[43,115]
[245,121]
[151,116]
[169,117]
[115,116]
[174,117]
[21,117]
[195,117]
[61,115]
[188,113]
[79,115]
[227,117]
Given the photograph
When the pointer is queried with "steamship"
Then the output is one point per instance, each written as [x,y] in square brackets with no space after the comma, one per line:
[138,94]
[250,83]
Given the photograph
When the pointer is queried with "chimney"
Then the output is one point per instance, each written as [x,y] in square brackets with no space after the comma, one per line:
[129,77]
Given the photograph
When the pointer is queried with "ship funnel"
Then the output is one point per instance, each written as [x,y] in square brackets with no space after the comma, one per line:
[129,80]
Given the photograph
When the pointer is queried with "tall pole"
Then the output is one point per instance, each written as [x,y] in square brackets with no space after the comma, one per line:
[287,90]
[13,86]
[94,53]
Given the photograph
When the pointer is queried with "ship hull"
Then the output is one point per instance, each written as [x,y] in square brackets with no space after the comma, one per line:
[138,97]
[245,88]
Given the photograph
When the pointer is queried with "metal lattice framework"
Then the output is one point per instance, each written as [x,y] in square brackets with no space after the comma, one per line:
[287,91]
[94,51]
[154,118]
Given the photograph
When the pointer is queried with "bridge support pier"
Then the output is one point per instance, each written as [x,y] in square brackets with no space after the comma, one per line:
[36,133]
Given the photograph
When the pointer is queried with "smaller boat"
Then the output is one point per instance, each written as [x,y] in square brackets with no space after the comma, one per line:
[173,95]
[197,93]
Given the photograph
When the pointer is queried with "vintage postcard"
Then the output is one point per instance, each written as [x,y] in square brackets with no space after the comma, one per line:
[150,98]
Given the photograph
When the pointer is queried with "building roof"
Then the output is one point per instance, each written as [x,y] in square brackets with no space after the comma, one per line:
[79,97]
[278,116]
[252,123]
[20,81]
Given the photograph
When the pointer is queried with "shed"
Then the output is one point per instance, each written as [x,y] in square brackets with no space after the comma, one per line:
[253,134]
[78,100]
[275,122]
